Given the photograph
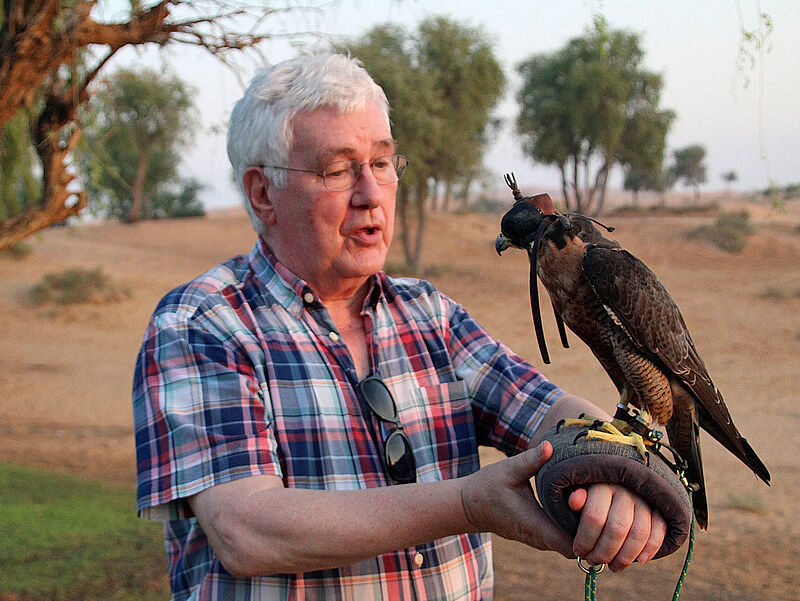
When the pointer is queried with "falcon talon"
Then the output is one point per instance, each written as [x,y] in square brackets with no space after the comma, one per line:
[584,434]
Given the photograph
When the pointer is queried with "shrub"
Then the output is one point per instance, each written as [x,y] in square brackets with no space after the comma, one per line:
[77,285]
[18,250]
[729,232]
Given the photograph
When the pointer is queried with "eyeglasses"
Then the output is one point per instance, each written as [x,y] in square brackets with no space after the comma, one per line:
[397,453]
[343,175]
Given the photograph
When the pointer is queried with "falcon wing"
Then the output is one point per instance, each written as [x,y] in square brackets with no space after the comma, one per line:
[653,321]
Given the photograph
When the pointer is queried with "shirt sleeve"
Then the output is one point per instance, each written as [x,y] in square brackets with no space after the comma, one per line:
[509,396]
[201,416]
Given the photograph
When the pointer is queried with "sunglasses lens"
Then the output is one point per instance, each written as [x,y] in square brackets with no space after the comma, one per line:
[400,458]
[379,399]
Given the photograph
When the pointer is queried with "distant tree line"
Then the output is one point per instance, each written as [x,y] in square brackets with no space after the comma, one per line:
[585,109]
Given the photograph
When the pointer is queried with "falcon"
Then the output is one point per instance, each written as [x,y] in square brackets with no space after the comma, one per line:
[620,309]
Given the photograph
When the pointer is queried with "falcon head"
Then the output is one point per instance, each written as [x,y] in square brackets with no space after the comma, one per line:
[525,221]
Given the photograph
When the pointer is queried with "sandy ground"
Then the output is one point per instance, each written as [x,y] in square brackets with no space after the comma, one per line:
[65,372]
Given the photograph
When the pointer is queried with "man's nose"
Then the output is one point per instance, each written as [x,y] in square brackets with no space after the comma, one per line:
[367,191]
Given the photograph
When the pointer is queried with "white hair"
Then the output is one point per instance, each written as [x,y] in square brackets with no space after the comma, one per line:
[260,127]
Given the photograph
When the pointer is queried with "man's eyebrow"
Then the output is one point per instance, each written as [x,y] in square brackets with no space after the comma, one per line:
[325,155]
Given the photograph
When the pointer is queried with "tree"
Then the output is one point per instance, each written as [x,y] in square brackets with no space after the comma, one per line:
[729,177]
[52,50]
[442,83]
[637,179]
[591,106]
[689,167]
[134,127]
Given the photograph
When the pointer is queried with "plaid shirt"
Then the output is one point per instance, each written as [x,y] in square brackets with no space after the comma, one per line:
[242,372]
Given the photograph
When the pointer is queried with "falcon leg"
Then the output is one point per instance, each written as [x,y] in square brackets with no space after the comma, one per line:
[599,429]
[633,439]
[629,426]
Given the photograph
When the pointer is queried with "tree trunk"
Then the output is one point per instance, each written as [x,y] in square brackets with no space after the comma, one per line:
[422,197]
[600,185]
[138,189]
[576,189]
[565,188]
[448,196]
[465,198]
[57,202]
[402,213]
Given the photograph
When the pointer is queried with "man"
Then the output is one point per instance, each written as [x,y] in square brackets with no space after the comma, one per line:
[307,427]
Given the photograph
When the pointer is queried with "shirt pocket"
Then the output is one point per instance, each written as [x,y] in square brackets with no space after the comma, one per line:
[439,422]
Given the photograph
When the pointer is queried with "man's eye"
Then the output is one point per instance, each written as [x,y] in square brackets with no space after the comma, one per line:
[381,164]
[337,170]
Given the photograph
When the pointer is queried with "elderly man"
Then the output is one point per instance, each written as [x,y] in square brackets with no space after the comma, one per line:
[306,426]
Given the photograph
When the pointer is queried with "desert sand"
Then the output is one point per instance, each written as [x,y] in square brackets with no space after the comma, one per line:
[65,372]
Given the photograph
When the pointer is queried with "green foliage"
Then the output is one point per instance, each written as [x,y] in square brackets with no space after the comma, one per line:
[77,285]
[442,82]
[172,202]
[62,539]
[469,82]
[787,192]
[134,128]
[729,177]
[729,232]
[590,106]
[642,178]
[19,181]
[689,166]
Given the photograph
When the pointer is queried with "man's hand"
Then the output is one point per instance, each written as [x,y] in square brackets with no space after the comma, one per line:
[617,526]
[499,498]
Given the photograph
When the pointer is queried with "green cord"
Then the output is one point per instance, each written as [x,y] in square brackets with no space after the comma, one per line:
[688,559]
[590,585]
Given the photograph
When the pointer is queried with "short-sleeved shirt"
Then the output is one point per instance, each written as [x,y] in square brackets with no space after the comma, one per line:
[242,372]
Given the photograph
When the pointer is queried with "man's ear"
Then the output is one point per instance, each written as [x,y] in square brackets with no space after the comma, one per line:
[256,186]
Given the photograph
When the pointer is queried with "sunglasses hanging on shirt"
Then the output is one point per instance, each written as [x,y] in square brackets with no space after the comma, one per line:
[397,453]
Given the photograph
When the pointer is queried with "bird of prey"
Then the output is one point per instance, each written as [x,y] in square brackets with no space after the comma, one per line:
[616,305]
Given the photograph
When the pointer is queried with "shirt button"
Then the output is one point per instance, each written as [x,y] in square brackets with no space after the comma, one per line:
[308,297]
[419,559]
[333,336]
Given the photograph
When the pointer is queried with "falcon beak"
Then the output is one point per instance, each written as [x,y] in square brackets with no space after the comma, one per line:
[501,244]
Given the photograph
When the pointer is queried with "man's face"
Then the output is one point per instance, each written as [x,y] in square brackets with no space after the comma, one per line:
[334,240]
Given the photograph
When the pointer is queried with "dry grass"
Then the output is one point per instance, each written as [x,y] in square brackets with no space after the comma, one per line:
[729,232]
[76,285]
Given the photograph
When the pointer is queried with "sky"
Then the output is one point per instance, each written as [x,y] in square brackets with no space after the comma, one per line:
[752,129]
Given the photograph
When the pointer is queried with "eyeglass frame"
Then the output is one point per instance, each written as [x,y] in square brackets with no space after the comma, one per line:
[357,167]
[398,431]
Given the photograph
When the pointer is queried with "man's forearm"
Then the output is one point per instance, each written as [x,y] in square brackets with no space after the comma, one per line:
[258,530]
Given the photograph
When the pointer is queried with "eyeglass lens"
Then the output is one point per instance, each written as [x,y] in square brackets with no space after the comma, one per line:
[379,399]
[342,175]
[398,454]
[399,458]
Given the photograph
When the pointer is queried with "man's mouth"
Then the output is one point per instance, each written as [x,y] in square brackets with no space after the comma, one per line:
[367,233]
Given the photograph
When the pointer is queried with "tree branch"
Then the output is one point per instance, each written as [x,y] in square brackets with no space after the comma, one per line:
[38,39]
